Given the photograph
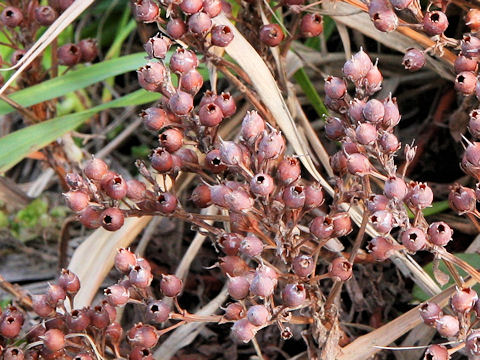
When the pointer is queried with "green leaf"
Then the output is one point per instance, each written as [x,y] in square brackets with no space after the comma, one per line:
[472,259]
[19,144]
[72,81]
[309,90]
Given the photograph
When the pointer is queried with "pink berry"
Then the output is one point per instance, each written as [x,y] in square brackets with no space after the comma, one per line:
[380,248]
[440,233]
[243,330]
[430,313]
[171,285]
[294,295]
[340,269]
[435,22]
[413,239]
[303,265]
[271,34]
[258,315]
[448,326]
[414,59]
[395,188]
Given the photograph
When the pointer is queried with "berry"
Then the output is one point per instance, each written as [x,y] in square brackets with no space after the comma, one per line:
[157,311]
[251,246]
[171,285]
[389,143]
[226,103]
[112,219]
[76,200]
[141,335]
[322,227]
[201,196]
[374,111]
[435,23]
[55,294]
[69,54]
[262,285]
[124,260]
[366,133]
[439,233]
[11,16]
[176,28]
[258,315]
[437,352]
[161,160]
[262,185]
[41,306]
[234,311]
[213,162]
[181,103]
[95,169]
[90,217]
[463,300]
[421,195]
[252,126]
[303,265]
[462,63]
[238,287]
[430,313]
[222,35]
[233,265]
[115,186]
[335,87]
[271,34]
[157,47]
[88,50]
[342,224]
[166,203]
[212,7]
[140,276]
[413,239]
[395,188]
[243,330]
[140,353]
[380,248]
[358,164]
[294,295]
[313,196]
[334,129]
[54,340]
[472,19]
[382,15]
[414,59]
[136,190]
[448,326]
[462,199]
[117,295]
[192,82]
[382,221]
[210,115]
[199,23]
[294,196]
[472,343]
[13,353]
[45,15]
[340,269]
[145,10]
[288,171]
[190,7]
[465,82]
[78,320]
[171,139]
[311,25]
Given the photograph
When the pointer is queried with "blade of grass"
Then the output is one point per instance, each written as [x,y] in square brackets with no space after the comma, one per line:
[302,79]
[19,144]
[74,80]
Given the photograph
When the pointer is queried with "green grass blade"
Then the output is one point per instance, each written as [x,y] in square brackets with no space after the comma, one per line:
[74,80]
[19,144]
[309,90]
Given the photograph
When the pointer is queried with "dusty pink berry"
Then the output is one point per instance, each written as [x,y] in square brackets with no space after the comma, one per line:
[96,169]
[366,133]
[322,227]
[382,15]
[226,103]
[115,186]
[222,35]
[234,311]
[382,221]
[166,203]
[395,188]
[463,63]
[231,153]
[238,287]
[54,340]
[258,315]
[421,195]
[143,336]
[243,330]
[358,164]
[191,82]
[448,326]
[117,295]
[380,248]
[88,50]
[199,23]
[251,246]
[374,111]
[161,160]
[437,352]
[157,46]
[112,219]
[210,115]
[373,80]
[311,25]
[430,313]
[201,196]
[465,82]
[413,239]
[271,34]
[463,300]
[435,22]
[176,28]
[41,306]
[170,285]
[12,353]
[140,277]
[358,66]
[55,294]
[11,16]
[262,285]
[313,196]
[145,10]
[303,265]
[45,15]
[414,59]
[388,143]
[212,7]
[252,126]
[342,224]
[472,343]
[69,55]
[340,269]
[136,190]
[462,199]
[78,320]
[294,196]
[355,110]
[334,129]
[76,200]
[140,353]
[171,139]
[262,184]
[230,243]
[90,217]
[288,170]
[113,333]
[238,200]
[335,87]
[125,260]
[440,233]
[157,311]
[391,116]
[213,162]
[294,295]
[474,123]
[377,202]
[190,7]
[271,146]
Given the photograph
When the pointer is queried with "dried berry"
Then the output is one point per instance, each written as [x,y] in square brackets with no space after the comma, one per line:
[234,311]
[262,285]
[439,233]
[465,82]
[437,352]
[212,7]
[382,221]
[243,330]
[463,300]
[117,295]
[145,10]
[421,195]
[166,203]
[181,103]
[125,260]
[11,16]
[54,340]
[190,7]
[380,248]
[288,170]
[374,111]
[88,50]
[413,239]
[45,15]
[176,28]
[462,199]
[335,87]
[462,63]
[199,23]
[311,25]
[96,169]
[142,335]
[157,311]
[251,246]
[222,35]
[447,326]
[472,343]
[76,200]
[294,295]
[226,103]
[258,315]
[435,22]
[340,269]
[430,313]
[303,265]
[41,306]
[358,164]
[192,82]
[112,219]
[140,276]
[171,285]
[271,34]
[366,133]
[238,287]
[78,320]
[414,59]
[69,54]
[322,227]
[395,188]
[115,186]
